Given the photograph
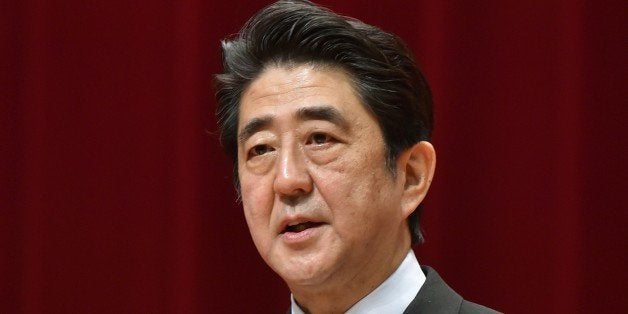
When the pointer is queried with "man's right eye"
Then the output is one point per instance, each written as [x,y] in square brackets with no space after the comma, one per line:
[259,150]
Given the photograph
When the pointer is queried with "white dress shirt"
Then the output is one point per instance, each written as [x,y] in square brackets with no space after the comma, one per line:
[393,295]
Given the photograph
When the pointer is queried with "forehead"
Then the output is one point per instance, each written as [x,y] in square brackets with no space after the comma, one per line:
[284,90]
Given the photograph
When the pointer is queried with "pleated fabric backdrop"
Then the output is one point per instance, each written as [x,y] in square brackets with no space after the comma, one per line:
[116,197]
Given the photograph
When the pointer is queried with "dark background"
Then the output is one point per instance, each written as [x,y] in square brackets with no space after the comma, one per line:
[116,197]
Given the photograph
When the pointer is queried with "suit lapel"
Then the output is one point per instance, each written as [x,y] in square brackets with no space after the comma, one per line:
[435,296]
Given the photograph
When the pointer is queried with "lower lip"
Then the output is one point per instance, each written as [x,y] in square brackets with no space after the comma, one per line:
[301,237]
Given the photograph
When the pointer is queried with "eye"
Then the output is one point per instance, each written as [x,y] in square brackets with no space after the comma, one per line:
[259,150]
[319,138]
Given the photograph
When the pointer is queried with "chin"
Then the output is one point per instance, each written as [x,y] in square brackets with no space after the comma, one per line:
[304,280]
[304,273]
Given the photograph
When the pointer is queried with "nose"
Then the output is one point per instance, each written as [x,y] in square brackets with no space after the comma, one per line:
[293,178]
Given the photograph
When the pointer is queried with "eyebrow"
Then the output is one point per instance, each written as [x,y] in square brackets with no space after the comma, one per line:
[254,126]
[324,113]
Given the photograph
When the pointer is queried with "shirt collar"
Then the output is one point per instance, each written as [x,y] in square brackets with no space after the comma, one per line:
[391,296]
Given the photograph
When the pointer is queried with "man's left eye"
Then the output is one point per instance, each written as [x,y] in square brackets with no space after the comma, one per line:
[320,138]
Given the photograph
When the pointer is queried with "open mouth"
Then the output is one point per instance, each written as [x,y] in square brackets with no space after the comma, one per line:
[301,226]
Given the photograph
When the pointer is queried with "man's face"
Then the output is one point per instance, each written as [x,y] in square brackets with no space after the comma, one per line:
[320,203]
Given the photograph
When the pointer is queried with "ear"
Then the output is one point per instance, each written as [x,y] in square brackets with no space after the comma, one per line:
[416,165]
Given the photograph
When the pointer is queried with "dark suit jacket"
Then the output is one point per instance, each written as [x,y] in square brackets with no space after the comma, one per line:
[436,296]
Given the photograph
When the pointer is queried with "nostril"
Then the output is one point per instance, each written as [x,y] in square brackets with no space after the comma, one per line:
[294,199]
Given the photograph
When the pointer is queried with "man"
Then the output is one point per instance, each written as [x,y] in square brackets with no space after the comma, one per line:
[328,120]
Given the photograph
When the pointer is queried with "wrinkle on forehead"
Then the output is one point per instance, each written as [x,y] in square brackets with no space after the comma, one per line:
[299,81]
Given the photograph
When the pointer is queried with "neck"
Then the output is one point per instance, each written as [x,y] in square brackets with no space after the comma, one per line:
[341,295]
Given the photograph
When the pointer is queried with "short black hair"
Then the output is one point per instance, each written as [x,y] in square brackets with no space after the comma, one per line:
[382,68]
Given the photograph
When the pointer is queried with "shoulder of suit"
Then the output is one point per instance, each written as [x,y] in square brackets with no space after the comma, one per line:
[471,308]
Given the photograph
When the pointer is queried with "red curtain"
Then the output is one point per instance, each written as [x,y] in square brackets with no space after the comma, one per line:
[116,197]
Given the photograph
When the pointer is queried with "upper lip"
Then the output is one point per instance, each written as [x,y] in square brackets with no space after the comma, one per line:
[295,220]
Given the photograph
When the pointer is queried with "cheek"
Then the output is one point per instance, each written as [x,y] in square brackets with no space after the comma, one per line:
[349,190]
[358,190]
[254,205]
[258,222]
[257,202]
